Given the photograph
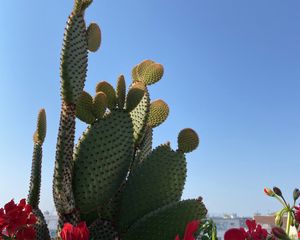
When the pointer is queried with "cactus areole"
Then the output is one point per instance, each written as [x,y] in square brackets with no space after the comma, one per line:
[112,179]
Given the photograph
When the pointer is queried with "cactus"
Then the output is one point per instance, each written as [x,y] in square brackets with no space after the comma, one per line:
[112,178]
[42,232]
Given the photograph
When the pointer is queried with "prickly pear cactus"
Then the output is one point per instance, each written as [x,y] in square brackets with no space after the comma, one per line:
[112,178]
[122,187]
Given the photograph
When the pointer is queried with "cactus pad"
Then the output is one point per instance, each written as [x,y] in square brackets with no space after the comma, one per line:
[99,104]
[84,108]
[155,182]
[159,112]
[145,148]
[167,222]
[40,133]
[102,159]
[147,72]
[109,92]
[135,95]
[74,58]
[93,37]
[121,91]
[102,230]
[139,117]
[188,140]
[153,73]
[140,70]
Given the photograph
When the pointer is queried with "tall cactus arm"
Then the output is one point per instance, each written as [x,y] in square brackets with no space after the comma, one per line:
[35,178]
[73,74]
[74,56]
[42,232]
[62,180]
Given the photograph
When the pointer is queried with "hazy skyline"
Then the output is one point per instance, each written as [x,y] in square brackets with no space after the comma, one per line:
[232,72]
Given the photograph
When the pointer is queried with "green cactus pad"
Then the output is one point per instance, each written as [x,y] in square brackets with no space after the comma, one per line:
[134,74]
[41,128]
[102,230]
[188,140]
[139,117]
[84,108]
[167,222]
[145,148]
[74,58]
[141,68]
[110,210]
[110,93]
[147,72]
[93,37]
[135,95]
[155,182]
[101,160]
[159,112]
[121,92]
[153,73]
[99,104]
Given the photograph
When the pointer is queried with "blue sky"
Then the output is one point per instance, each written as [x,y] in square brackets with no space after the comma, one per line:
[232,72]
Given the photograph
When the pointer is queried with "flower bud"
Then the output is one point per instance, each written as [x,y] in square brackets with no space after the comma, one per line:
[269,192]
[280,233]
[296,194]
[278,220]
[277,191]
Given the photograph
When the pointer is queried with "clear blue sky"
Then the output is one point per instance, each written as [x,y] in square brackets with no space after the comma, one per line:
[232,72]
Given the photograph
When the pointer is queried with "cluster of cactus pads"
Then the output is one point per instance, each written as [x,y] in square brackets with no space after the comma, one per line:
[112,178]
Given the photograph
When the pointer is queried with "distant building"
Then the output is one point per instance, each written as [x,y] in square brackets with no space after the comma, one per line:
[228,221]
[51,221]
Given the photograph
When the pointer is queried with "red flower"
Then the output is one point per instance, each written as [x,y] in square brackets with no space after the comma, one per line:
[26,233]
[297,214]
[234,234]
[80,232]
[16,221]
[255,232]
[190,230]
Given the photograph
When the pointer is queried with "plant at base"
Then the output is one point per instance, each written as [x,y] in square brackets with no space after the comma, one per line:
[291,211]
[208,230]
